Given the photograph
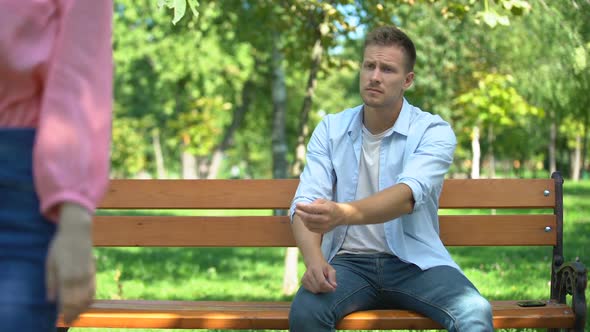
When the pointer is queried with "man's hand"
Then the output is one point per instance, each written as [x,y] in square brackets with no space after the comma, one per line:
[321,216]
[70,263]
[319,278]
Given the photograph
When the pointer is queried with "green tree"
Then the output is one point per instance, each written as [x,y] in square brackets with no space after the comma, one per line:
[495,106]
[550,64]
[173,78]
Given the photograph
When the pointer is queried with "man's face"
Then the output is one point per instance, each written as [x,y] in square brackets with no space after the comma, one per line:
[383,77]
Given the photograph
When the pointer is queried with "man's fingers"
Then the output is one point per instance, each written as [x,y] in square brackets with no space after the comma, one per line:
[313,208]
[331,277]
[307,208]
[309,286]
[326,287]
[320,283]
[311,217]
[323,279]
[318,230]
[307,282]
[315,226]
[305,217]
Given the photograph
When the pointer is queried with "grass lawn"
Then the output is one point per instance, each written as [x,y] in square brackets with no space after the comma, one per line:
[256,273]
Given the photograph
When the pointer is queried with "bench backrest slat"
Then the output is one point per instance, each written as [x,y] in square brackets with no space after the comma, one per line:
[498,193]
[199,194]
[243,228]
[270,231]
[277,194]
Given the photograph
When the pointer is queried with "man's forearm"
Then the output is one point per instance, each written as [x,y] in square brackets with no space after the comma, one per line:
[309,243]
[383,206]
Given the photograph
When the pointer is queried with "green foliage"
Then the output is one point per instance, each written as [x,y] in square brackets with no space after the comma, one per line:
[179,8]
[201,127]
[128,158]
[490,14]
[492,17]
[164,70]
[545,52]
[494,101]
[496,105]
[581,58]
[178,79]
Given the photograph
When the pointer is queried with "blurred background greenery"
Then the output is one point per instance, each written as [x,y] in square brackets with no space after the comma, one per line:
[234,87]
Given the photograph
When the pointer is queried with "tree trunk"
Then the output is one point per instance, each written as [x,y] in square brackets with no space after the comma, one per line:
[576,162]
[216,160]
[585,142]
[279,139]
[228,135]
[203,168]
[552,142]
[291,277]
[189,162]
[491,158]
[160,168]
[476,153]
[303,130]
[189,166]
[279,100]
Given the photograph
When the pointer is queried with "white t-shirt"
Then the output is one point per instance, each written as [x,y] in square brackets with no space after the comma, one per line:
[365,239]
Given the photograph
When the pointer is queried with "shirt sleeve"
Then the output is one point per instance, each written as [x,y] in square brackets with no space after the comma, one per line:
[71,154]
[426,167]
[317,179]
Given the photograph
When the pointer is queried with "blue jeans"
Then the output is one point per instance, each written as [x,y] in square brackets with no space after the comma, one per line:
[383,281]
[24,240]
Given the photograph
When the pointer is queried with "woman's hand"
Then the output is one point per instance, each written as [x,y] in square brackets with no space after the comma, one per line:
[70,269]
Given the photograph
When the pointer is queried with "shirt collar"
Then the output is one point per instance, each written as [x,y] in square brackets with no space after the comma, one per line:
[401,125]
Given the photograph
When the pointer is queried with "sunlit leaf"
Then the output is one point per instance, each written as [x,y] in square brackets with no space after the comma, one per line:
[179,10]
[193,4]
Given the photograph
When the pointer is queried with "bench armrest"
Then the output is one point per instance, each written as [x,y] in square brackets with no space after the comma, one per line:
[571,279]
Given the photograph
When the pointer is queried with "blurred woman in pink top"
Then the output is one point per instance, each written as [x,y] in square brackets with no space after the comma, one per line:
[55,129]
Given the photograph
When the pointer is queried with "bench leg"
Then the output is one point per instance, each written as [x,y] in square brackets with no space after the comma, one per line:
[571,279]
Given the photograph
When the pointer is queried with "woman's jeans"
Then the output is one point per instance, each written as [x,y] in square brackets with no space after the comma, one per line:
[383,281]
[24,239]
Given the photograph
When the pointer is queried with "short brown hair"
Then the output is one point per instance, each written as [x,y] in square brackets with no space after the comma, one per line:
[392,36]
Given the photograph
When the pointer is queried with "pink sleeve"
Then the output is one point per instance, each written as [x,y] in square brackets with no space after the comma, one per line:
[71,154]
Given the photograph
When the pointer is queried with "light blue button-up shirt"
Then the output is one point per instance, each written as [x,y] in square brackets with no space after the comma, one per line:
[418,152]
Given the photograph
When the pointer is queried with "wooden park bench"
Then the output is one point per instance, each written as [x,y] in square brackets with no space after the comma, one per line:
[529,229]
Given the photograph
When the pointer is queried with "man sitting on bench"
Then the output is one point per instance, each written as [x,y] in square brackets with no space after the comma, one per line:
[365,213]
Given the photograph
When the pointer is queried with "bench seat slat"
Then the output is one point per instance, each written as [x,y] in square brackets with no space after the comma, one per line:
[270,231]
[273,315]
[277,194]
